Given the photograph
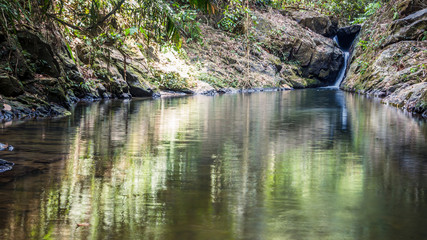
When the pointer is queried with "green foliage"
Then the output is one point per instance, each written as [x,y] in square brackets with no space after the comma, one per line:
[363,44]
[351,10]
[363,66]
[369,10]
[237,17]
[172,81]
[232,18]
[213,81]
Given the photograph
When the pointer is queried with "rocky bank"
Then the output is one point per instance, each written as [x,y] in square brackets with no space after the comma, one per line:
[390,57]
[41,77]
[43,74]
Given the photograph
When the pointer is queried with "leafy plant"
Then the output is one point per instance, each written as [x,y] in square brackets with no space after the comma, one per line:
[369,10]
[363,66]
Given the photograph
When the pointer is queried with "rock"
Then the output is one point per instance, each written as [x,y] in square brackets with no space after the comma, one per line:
[315,57]
[102,91]
[10,86]
[406,7]
[6,147]
[204,88]
[5,165]
[317,22]
[68,63]
[41,53]
[325,61]
[412,27]
[346,35]
[75,76]
[118,86]
[227,90]
[167,93]
[136,87]
[395,69]
[125,96]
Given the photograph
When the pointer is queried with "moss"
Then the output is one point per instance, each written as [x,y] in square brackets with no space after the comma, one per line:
[214,81]
[275,60]
[311,82]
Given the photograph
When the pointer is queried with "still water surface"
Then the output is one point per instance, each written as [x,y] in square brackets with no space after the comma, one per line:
[311,164]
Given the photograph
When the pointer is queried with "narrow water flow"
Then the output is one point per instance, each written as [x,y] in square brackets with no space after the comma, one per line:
[342,72]
[309,164]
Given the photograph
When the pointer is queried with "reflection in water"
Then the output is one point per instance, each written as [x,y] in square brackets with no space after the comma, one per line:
[312,164]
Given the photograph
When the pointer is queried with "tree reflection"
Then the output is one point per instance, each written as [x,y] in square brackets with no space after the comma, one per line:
[291,165]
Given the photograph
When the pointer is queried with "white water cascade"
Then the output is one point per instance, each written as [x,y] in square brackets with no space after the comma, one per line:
[343,70]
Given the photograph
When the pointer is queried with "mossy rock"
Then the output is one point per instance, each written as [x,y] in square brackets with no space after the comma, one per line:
[10,86]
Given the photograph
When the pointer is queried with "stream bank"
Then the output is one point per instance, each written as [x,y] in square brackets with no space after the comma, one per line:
[41,77]
[44,75]
[390,57]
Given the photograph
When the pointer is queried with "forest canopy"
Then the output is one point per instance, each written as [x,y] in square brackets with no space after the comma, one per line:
[110,21]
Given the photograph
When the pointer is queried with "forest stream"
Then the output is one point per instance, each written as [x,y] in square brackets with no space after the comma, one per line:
[213,119]
[303,164]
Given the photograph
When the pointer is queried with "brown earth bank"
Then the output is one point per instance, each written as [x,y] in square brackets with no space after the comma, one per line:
[41,77]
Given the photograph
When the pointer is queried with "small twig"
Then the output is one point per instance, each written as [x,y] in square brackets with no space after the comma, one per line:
[64,22]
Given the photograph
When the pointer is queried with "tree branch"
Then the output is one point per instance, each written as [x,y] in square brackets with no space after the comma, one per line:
[119,5]
[64,22]
[116,8]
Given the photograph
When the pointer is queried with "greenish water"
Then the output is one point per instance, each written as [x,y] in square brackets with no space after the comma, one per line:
[311,164]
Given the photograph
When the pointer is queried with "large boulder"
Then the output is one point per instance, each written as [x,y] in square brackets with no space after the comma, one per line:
[317,22]
[319,58]
[135,82]
[322,59]
[118,86]
[41,53]
[136,87]
[412,27]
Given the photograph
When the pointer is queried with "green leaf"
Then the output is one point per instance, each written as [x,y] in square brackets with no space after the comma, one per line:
[131,31]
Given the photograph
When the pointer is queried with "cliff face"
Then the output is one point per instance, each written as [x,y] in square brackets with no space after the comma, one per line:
[279,52]
[390,56]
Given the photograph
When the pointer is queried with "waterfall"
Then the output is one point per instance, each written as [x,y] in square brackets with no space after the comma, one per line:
[343,70]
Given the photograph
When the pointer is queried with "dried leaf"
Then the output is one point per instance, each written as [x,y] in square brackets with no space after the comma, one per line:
[7,107]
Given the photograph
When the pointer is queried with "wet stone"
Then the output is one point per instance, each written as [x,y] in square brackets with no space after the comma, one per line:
[5,165]
[6,147]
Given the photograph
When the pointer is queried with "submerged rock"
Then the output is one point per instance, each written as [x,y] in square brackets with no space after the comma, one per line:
[5,165]
[6,147]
